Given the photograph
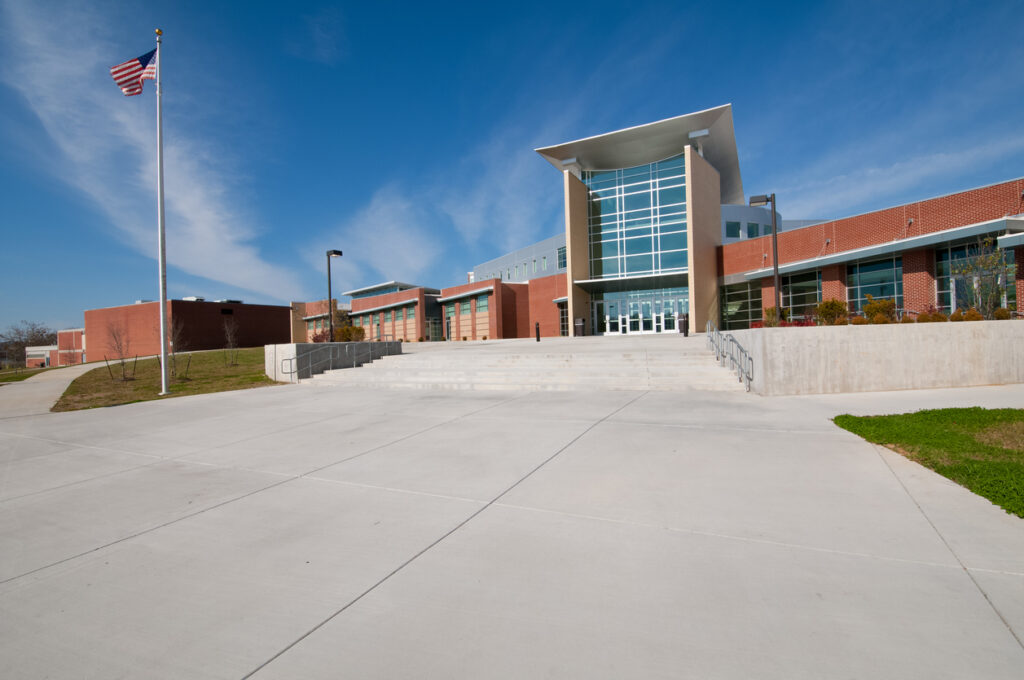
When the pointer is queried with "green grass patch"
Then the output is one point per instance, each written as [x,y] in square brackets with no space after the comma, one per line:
[208,372]
[981,449]
[14,375]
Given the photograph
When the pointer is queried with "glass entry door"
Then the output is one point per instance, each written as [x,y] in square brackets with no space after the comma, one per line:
[643,311]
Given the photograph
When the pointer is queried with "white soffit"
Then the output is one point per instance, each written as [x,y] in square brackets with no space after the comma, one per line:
[657,141]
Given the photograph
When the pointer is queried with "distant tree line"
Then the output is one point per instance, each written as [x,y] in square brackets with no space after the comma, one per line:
[21,335]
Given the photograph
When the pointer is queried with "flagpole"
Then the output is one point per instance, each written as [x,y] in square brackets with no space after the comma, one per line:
[160,219]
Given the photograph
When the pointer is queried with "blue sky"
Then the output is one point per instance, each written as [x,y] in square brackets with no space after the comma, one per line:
[403,133]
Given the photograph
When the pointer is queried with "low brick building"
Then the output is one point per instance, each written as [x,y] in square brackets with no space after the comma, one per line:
[134,330]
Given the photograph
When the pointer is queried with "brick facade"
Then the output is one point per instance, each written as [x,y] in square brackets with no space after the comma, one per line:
[1019,257]
[375,324]
[919,280]
[874,228]
[202,326]
[70,347]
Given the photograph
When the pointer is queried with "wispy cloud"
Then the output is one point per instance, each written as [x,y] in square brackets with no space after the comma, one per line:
[322,37]
[106,147]
[867,186]
[390,238]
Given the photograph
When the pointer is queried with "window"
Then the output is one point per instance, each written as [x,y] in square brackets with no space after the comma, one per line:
[318,322]
[563,319]
[516,271]
[544,263]
[481,303]
[801,293]
[508,274]
[947,259]
[309,325]
[464,307]
[561,257]
[357,321]
[535,266]
[399,314]
[449,309]
[753,230]
[877,278]
[732,229]
[767,230]
[387,316]
[741,305]
[410,312]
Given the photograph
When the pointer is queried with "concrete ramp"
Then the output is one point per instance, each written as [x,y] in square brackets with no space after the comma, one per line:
[667,363]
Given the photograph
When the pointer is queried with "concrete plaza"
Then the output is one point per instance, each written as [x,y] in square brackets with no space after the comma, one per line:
[317,532]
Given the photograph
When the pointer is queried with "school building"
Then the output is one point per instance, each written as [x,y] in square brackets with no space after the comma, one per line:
[657,226]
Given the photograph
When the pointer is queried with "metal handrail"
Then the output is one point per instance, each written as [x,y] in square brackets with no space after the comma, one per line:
[328,357]
[727,348]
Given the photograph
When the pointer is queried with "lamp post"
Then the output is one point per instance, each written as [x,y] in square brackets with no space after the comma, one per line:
[330,306]
[756,202]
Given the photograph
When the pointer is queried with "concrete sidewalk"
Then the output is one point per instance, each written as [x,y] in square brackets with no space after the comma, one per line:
[39,393]
[294,532]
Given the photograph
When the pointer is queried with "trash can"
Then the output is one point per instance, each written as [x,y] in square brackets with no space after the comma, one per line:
[580,326]
[684,324]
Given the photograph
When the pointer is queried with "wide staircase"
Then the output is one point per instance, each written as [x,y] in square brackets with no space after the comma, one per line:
[666,362]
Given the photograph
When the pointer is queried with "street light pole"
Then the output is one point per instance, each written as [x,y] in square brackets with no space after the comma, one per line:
[330,306]
[758,201]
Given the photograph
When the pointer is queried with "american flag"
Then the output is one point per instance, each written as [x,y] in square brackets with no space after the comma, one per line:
[130,74]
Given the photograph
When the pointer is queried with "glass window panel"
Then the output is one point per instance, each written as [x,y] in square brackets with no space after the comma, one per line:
[602,250]
[600,268]
[732,229]
[464,307]
[637,246]
[399,314]
[752,230]
[675,259]
[411,314]
[674,241]
[481,303]
[639,264]
[672,195]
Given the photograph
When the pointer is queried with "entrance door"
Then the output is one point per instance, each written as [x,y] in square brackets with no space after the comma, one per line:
[634,317]
[669,311]
[613,317]
[600,320]
[647,317]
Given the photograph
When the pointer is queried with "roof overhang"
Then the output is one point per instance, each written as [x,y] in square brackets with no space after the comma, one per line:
[634,283]
[564,298]
[381,308]
[468,293]
[1012,225]
[657,141]
[389,284]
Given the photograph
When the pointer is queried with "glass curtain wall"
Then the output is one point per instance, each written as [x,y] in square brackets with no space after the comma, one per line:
[637,222]
[741,305]
[946,257]
[878,278]
[801,293]
[639,311]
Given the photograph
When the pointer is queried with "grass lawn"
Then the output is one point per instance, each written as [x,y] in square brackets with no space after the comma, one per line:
[978,448]
[208,372]
[13,375]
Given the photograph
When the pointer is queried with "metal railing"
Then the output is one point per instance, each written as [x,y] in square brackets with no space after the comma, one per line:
[335,355]
[728,349]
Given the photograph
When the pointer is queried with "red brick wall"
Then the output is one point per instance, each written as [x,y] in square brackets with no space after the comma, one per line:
[467,328]
[919,279]
[833,282]
[69,347]
[881,226]
[542,310]
[203,326]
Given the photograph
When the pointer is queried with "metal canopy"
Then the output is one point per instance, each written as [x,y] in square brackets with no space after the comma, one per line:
[657,141]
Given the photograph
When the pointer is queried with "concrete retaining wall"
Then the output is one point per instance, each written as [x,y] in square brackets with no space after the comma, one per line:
[832,359]
[302,360]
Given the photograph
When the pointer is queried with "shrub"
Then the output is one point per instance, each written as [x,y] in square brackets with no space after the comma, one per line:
[830,310]
[485,337]
[907,319]
[880,318]
[419,339]
[957,315]
[859,321]
[463,338]
[973,315]
[885,307]
[772,318]
[349,334]
[1001,314]
[939,317]
[841,321]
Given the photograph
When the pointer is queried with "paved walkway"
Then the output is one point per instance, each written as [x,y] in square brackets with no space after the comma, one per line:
[39,393]
[298,532]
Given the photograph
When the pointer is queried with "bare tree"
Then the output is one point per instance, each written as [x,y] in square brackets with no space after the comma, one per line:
[231,342]
[120,344]
[25,334]
[179,344]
